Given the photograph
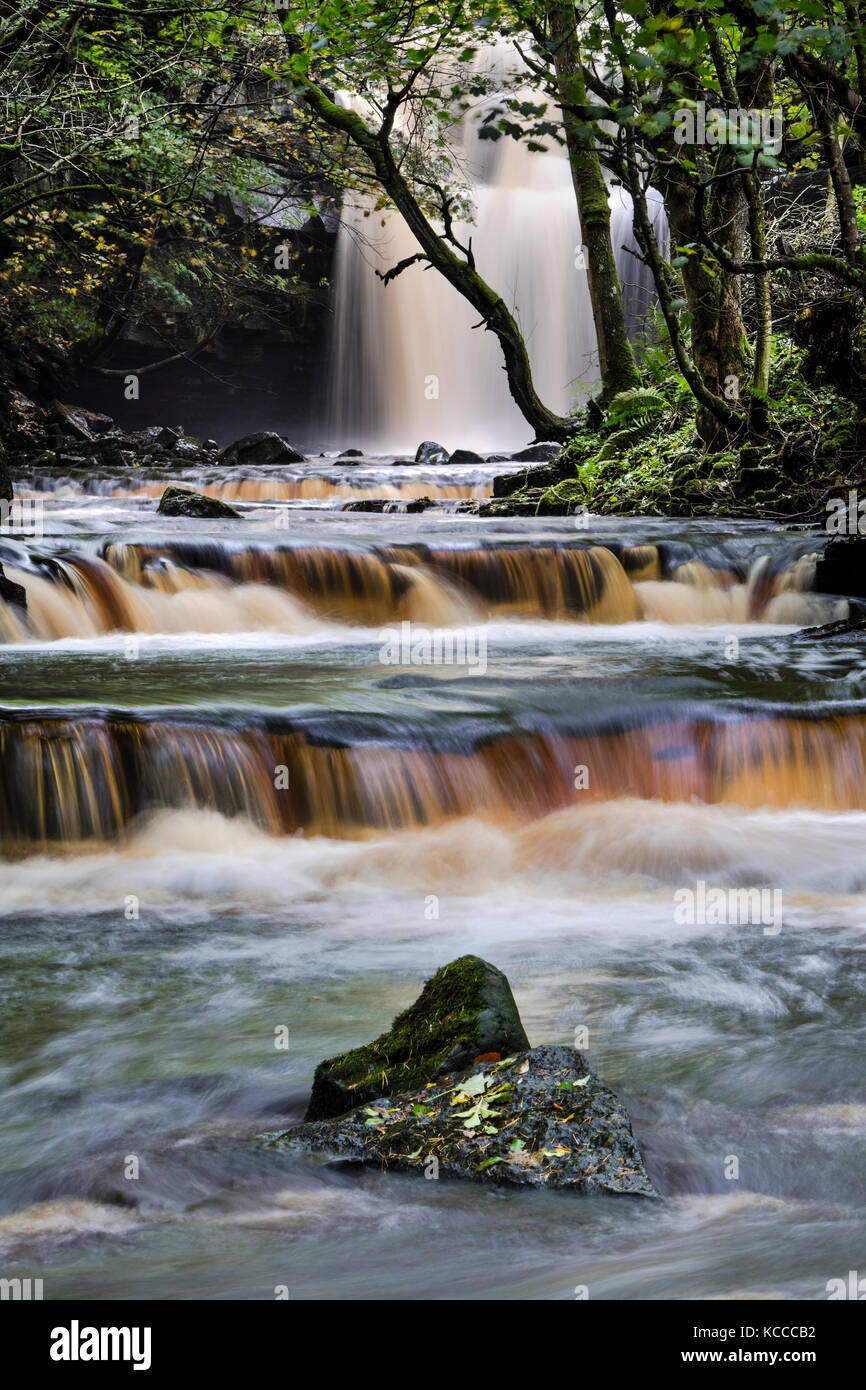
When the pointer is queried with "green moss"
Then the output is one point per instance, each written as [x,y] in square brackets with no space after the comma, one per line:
[178,501]
[466,1008]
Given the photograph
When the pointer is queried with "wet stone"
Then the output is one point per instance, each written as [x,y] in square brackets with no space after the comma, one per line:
[541,1118]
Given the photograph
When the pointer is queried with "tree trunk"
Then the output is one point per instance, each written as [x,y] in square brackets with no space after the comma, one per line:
[616,359]
[718,335]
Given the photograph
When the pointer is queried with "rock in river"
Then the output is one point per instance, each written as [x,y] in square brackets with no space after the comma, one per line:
[10,592]
[431,452]
[456,1085]
[258,450]
[541,1118]
[466,1008]
[179,501]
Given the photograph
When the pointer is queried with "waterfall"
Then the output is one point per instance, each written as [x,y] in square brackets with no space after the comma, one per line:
[408,361]
[70,778]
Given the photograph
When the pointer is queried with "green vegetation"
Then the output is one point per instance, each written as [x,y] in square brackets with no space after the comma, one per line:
[646,456]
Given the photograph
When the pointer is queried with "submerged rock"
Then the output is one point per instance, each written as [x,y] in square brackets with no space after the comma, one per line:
[466,1009]
[541,1118]
[10,592]
[179,501]
[258,450]
[389,504]
[431,452]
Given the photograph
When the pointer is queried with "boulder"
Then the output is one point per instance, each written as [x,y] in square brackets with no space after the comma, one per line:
[167,438]
[540,1118]
[10,592]
[465,456]
[111,454]
[179,501]
[81,424]
[540,452]
[431,452]
[258,450]
[187,451]
[842,567]
[351,454]
[466,1009]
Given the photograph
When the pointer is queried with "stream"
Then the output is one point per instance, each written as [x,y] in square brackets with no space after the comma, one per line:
[274,772]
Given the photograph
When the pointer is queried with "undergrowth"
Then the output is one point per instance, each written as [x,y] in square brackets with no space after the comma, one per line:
[646,457]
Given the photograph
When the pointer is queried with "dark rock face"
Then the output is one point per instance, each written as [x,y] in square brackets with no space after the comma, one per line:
[5,480]
[351,454]
[842,567]
[539,453]
[258,450]
[466,1009]
[79,423]
[10,592]
[465,456]
[167,437]
[541,1118]
[431,452]
[178,501]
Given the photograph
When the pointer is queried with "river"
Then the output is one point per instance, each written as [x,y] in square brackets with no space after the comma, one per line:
[235,798]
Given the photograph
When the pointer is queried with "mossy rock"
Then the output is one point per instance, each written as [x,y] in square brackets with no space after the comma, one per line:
[466,1010]
[541,1119]
[179,501]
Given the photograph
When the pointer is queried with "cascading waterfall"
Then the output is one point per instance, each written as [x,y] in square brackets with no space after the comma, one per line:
[211,586]
[67,779]
[408,361]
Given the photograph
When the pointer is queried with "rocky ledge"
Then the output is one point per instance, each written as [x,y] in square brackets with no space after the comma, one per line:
[447,1093]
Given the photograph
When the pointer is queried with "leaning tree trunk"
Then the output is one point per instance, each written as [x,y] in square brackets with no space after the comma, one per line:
[616,359]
